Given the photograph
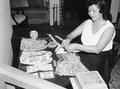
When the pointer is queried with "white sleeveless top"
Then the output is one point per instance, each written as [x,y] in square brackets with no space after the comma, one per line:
[88,38]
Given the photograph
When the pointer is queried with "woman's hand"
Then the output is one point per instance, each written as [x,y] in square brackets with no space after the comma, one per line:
[73,47]
[65,42]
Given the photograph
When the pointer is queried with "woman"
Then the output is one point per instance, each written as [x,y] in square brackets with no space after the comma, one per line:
[97,36]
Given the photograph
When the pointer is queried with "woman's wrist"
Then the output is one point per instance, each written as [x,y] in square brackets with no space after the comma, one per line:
[69,37]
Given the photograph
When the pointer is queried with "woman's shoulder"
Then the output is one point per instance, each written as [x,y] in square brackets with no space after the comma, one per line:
[110,24]
[109,27]
[87,21]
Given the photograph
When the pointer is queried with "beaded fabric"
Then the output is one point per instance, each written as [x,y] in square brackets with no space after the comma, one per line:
[69,64]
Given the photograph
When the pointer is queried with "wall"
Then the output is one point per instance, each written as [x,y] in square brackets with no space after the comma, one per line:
[5,33]
[119,6]
[6,53]
[114,9]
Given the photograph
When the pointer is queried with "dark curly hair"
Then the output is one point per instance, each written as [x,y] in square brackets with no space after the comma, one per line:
[103,8]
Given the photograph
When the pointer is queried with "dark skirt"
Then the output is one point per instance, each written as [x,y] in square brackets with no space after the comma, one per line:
[97,62]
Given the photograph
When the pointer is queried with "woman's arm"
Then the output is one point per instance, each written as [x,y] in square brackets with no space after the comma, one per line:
[73,34]
[76,32]
[102,43]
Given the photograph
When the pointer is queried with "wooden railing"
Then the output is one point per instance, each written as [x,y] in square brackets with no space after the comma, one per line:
[22,79]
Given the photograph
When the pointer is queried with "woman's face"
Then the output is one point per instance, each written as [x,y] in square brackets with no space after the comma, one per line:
[94,13]
[33,34]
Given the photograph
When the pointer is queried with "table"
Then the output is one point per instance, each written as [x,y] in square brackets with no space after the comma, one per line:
[60,80]
[57,79]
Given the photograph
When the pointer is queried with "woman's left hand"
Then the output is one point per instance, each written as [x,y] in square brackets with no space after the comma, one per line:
[71,47]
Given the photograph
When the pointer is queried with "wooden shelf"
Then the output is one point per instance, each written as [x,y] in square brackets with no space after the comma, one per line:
[34,15]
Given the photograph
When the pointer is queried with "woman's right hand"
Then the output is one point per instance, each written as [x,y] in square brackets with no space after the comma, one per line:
[65,42]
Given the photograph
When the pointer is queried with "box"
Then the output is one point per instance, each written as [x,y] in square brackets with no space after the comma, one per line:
[43,71]
[36,68]
[47,75]
[90,80]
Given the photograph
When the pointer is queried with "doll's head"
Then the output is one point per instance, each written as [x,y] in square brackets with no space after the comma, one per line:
[33,34]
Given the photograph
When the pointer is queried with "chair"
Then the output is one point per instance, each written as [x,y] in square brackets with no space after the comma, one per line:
[118,20]
[115,55]
[18,19]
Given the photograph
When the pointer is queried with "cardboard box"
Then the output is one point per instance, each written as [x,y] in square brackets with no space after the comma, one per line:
[90,80]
